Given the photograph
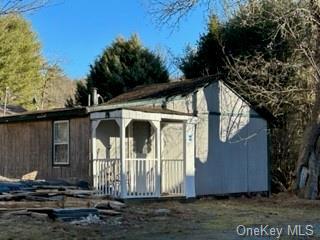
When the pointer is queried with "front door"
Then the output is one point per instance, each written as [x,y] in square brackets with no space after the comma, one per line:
[172,159]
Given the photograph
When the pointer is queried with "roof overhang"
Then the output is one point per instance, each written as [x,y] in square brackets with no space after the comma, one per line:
[97,112]
[148,114]
[54,114]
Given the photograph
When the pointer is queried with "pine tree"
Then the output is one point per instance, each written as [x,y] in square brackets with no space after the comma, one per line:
[20,61]
[122,66]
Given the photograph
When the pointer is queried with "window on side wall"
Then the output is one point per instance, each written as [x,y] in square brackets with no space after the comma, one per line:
[61,142]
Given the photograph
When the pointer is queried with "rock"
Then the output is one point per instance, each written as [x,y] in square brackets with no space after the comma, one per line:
[102,205]
[116,205]
[109,204]
[30,176]
[162,211]
[109,212]
[90,219]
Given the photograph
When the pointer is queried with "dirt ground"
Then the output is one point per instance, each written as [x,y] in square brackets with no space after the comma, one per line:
[199,219]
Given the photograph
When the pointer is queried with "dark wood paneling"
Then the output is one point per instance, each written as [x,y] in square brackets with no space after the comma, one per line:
[27,146]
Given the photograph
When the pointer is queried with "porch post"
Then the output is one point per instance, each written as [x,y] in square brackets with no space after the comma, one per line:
[123,124]
[156,125]
[92,163]
[189,157]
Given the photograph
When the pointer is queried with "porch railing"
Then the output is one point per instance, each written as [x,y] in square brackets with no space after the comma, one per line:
[172,177]
[107,177]
[141,176]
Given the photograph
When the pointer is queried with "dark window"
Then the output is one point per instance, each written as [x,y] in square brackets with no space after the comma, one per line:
[61,142]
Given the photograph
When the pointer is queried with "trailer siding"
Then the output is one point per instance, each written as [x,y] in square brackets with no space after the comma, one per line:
[27,146]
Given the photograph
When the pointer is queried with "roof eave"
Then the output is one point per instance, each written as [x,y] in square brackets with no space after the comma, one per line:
[49,115]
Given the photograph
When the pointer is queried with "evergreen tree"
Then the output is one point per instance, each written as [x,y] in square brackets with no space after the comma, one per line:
[20,61]
[208,57]
[121,67]
[233,39]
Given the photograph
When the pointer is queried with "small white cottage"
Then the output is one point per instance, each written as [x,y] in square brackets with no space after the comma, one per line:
[180,139]
[186,138]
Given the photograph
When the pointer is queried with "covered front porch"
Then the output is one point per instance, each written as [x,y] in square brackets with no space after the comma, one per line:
[143,153]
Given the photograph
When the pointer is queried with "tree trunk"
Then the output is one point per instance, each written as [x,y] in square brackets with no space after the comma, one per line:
[307,171]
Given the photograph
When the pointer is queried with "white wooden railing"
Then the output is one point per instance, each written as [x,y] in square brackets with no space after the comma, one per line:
[141,175]
[172,177]
[107,177]
[141,178]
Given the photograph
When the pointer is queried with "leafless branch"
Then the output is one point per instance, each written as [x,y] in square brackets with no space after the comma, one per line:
[20,6]
[165,11]
[172,12]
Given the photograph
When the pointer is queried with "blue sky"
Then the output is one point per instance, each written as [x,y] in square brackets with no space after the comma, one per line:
[74,32]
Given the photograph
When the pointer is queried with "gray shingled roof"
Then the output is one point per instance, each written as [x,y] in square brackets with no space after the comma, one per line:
[162,90]
[185,87]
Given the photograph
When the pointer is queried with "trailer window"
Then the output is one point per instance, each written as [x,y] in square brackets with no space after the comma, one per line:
[61,142]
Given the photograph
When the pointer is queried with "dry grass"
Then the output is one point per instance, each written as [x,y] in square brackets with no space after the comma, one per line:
[200,219]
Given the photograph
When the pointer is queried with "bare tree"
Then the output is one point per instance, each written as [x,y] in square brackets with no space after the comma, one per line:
[298,21]
[290,103]
[172,12]
[306,41]
[309,159]
[306,36]
[20,6]
[56,87]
